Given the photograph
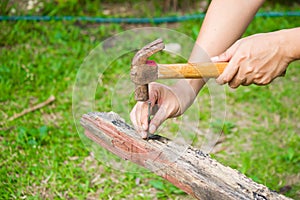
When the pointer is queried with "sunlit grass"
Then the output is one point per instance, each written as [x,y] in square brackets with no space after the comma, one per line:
[42,156]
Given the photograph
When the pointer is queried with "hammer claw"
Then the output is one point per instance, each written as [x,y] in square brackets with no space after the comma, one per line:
[143,54]
[141,72]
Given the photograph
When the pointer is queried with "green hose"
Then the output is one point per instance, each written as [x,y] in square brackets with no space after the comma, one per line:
[155,20]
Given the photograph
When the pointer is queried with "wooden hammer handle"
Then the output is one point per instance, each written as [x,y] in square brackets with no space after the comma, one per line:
[191,70]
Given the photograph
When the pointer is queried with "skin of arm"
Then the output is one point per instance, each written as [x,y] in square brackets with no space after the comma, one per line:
[293,42]
[260,58]
[224,23]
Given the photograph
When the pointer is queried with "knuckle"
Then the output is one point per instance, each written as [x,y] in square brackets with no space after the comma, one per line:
[219,81]
[263,81]
[226,80]
[247,81]
[267,81]
[258,75]
[233,86]
[249,69]
[234,83]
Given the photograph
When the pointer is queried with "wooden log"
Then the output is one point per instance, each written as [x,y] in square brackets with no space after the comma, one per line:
[187,168]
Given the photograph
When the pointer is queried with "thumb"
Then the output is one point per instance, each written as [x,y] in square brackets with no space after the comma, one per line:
[158,119]
[224,57]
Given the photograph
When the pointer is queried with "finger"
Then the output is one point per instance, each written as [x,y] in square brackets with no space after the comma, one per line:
[137,117]
[153,93]
[266,79]
[158,119]
[144,116]
[248,80]
[143,119]
[221,58]
[232,67]
[229,73]
[236,82]
[133,118]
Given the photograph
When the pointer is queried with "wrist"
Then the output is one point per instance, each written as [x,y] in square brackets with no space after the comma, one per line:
[185,94]
[290,40]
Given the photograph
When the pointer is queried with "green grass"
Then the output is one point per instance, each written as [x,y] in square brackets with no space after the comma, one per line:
[42,156]
[41,153]
[266,141]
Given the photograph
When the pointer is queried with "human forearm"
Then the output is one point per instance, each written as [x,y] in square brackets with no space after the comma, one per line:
[260,58]
[291,42]
[224,23]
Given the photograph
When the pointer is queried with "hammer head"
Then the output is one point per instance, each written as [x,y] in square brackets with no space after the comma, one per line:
[142,71]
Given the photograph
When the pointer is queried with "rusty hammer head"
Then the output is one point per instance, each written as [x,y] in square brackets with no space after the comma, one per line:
[143,71]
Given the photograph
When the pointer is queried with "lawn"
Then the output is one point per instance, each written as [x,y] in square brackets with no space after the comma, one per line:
[43,157]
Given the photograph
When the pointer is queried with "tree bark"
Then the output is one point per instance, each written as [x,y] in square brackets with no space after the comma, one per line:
[187,168]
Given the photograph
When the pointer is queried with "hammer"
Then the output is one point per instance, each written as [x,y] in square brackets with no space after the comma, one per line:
[144,71]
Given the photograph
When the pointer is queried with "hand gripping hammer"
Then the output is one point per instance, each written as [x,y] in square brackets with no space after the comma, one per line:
[144,71]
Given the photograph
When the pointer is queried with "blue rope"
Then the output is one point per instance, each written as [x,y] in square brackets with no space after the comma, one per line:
[155,20]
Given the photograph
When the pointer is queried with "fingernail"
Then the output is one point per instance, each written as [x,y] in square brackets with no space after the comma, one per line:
[144,134]
[214,59]
[152,128]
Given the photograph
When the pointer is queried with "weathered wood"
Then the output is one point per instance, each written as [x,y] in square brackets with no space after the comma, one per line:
[187,168]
